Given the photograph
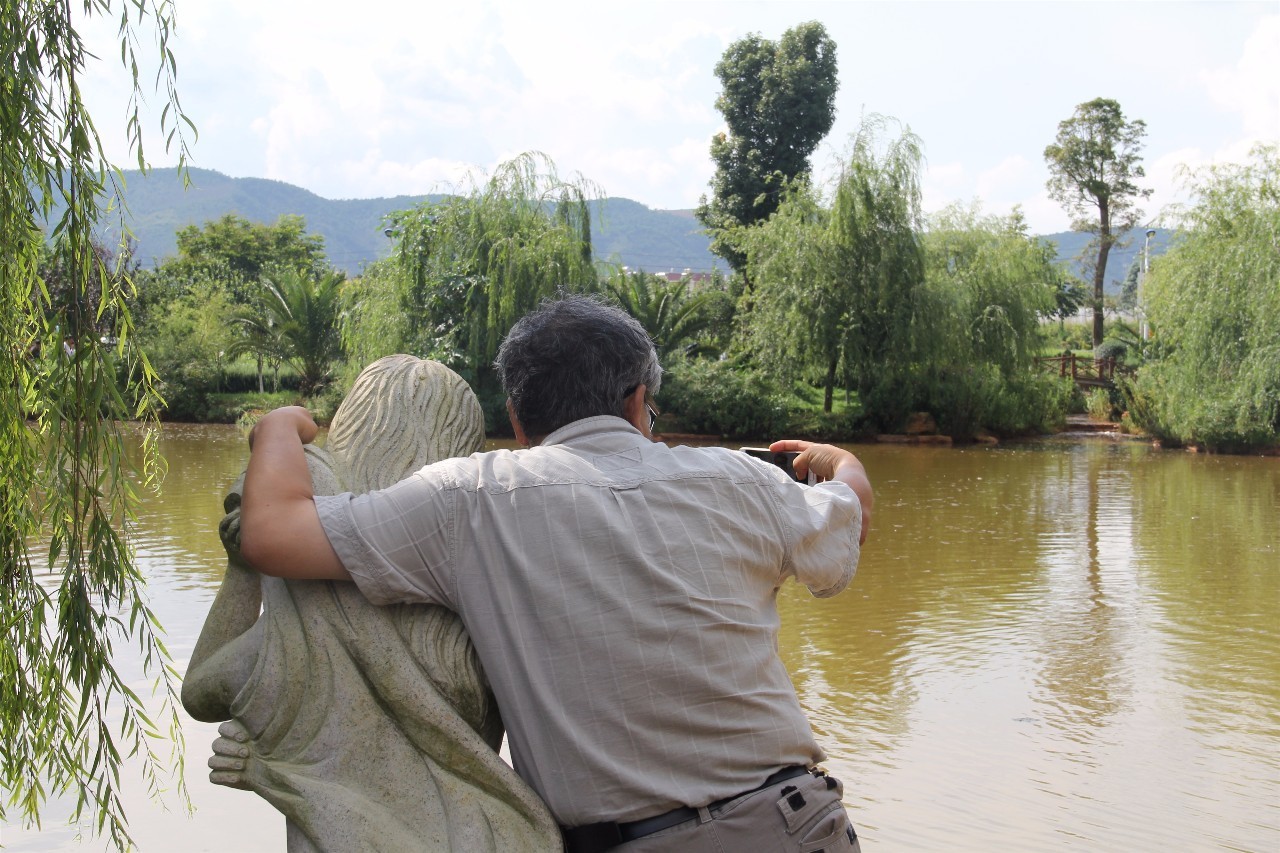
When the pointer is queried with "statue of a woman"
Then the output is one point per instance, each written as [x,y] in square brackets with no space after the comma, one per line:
[369,728]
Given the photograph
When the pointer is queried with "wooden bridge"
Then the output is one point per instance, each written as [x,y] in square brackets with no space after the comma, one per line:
[1085,371]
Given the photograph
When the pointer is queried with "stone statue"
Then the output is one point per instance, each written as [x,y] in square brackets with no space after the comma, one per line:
[369,728]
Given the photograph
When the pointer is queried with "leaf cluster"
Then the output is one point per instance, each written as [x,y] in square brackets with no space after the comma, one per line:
[475,262]
[778,101]
[1213,373]
[70,372]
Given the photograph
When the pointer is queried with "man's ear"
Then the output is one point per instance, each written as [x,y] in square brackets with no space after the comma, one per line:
[635,411]
[521,438]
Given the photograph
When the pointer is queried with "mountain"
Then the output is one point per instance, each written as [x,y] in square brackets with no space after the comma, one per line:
[623,231]
[1072,245]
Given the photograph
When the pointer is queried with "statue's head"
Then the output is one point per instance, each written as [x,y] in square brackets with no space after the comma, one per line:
[403,413]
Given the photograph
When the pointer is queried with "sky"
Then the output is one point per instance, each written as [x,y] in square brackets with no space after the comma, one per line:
[396,97]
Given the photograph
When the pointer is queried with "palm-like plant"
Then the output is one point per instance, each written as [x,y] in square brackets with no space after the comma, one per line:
[300,323]
[671,315]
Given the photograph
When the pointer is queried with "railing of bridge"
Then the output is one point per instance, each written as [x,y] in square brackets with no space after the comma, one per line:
[1083,370]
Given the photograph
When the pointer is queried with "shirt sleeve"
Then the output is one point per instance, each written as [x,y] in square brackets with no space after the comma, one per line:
[397,543]
[825,521]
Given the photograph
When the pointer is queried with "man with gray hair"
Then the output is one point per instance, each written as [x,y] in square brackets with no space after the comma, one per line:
[621,594]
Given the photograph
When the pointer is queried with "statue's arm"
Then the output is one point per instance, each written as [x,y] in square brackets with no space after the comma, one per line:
[226,651]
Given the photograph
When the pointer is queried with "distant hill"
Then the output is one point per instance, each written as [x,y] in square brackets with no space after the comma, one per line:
[1071,245]
[623,231]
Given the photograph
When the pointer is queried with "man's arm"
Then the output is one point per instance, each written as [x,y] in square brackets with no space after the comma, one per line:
[280,532]
[832,463]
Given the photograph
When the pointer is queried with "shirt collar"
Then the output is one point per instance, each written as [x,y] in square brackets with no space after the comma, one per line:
[594,427]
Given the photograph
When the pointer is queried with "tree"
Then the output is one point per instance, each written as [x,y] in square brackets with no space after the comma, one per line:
[1093,164]
[304,309]
[836,289]
[1212,373]
[778,100]
[251,249]
[70,589]
[674,317]
[998,281]
[476,262]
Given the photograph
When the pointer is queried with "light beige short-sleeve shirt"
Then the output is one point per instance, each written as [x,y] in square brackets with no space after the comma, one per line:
[621,596]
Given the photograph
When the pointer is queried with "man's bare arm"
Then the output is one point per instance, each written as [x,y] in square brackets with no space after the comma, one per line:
[280,532]
[833,463]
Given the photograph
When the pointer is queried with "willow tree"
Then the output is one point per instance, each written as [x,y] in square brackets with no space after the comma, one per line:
[989,284]
[71,592]
[1214,305]
[477,261]
[837,288]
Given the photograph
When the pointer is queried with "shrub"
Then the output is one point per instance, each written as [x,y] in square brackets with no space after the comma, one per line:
[718,398]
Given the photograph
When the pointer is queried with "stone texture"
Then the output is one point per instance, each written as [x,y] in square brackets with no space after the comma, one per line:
[369,728]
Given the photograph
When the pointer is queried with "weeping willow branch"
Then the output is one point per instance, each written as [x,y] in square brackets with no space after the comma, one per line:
[70,374]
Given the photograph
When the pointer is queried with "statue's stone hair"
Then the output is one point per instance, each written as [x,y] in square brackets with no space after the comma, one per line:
[404,413]
[573,358]
[421,412]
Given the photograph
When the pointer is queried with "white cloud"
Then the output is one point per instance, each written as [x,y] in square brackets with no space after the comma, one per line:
[1251,87]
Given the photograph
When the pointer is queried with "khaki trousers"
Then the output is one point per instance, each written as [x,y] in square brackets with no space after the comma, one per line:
[800,815]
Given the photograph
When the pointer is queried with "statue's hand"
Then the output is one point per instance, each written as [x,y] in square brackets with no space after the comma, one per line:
[232,755]
[229,530]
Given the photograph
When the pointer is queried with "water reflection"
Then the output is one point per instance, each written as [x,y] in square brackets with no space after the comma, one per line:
[1047,646]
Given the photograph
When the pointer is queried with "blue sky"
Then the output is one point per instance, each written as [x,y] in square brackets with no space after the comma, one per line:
[388,97]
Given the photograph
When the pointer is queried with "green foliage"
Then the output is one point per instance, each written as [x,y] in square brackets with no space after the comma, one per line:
[1213,375]
[244,251]
[302,309]
[374,321]
[674,317]
[719,398]
[70,590]
[996,281]
[967,399]
[474,263]
[1099,405]
[778,100]
[189,343]
[836,290]
[1093,164]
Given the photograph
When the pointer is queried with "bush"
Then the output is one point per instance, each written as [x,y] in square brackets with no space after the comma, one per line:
[1100,405]
[718,398]
[967,400]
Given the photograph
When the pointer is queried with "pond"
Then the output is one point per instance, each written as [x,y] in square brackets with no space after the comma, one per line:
[1051,645]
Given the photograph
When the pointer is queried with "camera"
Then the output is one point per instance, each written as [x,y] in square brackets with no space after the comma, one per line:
[782,459]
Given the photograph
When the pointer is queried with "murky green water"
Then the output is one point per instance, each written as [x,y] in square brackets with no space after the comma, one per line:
[1066,645]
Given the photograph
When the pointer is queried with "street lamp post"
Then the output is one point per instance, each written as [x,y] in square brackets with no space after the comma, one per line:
[1143,331]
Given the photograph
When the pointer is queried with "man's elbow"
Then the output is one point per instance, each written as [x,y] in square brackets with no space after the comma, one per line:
[258,549]
[290,545]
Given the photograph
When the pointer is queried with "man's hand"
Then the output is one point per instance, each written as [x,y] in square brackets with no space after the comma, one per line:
[303,424]
[832,463]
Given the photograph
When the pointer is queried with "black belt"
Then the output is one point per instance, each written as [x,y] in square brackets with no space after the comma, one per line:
[597,837]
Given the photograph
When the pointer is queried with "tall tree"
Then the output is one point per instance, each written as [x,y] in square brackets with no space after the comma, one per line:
[836,288]
[70,590]
[778,100]
[1093,165]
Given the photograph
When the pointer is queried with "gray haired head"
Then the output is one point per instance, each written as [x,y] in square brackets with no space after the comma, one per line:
[573,358]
